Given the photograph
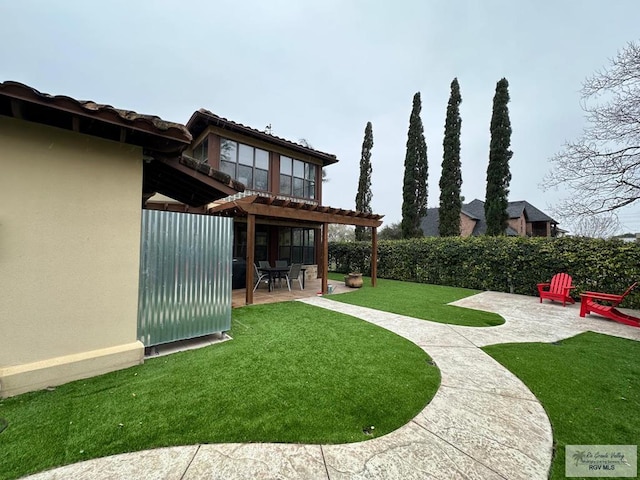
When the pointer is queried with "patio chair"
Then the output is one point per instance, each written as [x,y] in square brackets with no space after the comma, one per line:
[558,289]
[264,264]
[281,264]
[260,276]
[292,274]
[605,304]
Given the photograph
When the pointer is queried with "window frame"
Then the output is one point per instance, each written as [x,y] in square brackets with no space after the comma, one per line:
[238,149]
[298,182]
[201,150]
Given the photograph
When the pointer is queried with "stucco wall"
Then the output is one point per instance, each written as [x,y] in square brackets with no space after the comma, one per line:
[69,255]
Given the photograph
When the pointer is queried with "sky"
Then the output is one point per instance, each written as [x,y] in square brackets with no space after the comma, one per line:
[321,70]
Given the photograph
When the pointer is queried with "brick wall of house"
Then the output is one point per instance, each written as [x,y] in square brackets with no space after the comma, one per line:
[467,224]
[519,225]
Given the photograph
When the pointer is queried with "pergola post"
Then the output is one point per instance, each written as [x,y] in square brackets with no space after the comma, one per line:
[374,256]
[325,258]
[251,243]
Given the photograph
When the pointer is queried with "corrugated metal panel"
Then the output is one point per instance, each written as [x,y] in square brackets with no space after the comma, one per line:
[185,276]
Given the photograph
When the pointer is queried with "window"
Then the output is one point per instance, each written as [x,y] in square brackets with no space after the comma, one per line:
[248,165]
[201,152]
[261,242]
[297,245]
[297,178]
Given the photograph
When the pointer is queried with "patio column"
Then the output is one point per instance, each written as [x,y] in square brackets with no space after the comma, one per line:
[374,256]
[325,257]
[251,243]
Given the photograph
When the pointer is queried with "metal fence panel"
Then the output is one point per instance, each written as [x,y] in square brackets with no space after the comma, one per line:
[185,276]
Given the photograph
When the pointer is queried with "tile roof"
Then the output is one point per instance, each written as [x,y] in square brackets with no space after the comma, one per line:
[25,102]
[203,117]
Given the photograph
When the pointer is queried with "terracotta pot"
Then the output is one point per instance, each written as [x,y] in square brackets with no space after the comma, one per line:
[353,280]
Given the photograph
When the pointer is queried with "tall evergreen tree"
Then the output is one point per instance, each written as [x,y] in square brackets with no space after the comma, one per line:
[364,195]
[498,173]
[414,188]
[451,177]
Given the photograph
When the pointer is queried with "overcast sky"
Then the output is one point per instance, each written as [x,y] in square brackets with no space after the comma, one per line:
[320,70]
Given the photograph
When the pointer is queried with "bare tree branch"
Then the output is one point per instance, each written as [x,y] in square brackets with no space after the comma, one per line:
[596,226]
[602,167]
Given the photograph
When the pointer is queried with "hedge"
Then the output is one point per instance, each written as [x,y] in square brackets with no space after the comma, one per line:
[503,264]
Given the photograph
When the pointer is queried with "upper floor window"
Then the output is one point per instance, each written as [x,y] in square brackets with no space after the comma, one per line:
[297,178]
[248,165]
[201,151]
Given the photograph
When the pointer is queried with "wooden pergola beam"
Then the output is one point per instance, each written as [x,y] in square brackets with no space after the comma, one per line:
[309,215]
[325,258]
[251,244]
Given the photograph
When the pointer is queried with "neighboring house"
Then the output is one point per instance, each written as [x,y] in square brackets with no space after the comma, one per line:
[280,215]
[525,220]
[74,175]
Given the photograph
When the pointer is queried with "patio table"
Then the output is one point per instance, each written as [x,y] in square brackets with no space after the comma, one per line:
[275,272]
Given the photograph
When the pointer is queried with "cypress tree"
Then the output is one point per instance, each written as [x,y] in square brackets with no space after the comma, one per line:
[498,174]
[414,188]
[451,177]
[364,195]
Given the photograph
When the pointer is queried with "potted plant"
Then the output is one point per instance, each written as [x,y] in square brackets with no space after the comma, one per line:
[353,280]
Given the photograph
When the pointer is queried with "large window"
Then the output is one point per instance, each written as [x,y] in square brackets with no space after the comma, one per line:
[201,152]
[248,165]
[297,178]
[261,242]
[297,245]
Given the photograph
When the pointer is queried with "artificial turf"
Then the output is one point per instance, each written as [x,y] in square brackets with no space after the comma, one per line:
[418,300]
[589,386]
[292,373]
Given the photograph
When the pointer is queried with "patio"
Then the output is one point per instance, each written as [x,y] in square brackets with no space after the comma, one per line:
[281,294]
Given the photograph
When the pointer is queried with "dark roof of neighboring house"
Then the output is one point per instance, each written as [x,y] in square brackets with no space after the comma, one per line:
[91,118]
[430,223]
[515,209]
[201,119]
[475,210]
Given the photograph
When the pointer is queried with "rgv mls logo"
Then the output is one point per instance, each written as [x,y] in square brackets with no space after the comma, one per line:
[601,461]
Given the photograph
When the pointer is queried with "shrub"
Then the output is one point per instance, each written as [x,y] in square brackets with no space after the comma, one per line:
[503,264]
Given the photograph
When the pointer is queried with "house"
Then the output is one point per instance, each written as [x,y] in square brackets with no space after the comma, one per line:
[280,215]
[74,177]
[525,220]
[119,229]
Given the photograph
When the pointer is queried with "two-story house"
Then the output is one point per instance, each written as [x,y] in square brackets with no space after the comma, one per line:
[75,243]
[279,215]
[525,220]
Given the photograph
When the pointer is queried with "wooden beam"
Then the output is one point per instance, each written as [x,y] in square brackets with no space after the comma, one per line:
[218,185]
[251,244]
[174,207]
[374,256]
[311,216]
[16,109]
[325,258]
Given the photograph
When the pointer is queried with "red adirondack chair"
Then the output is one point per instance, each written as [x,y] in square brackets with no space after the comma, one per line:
[558,289]
[596,302]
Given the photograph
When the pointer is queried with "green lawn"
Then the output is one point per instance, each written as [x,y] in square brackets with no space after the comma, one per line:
[293,373]
[589,385]
[419,300]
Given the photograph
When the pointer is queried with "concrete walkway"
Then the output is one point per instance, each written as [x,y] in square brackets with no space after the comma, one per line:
[483,423]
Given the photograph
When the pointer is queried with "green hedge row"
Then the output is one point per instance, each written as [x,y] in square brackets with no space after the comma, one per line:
[503,264]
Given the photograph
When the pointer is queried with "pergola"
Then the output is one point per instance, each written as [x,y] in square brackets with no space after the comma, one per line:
[281,209]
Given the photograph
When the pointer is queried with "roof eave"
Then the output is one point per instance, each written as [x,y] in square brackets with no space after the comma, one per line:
[202,118]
